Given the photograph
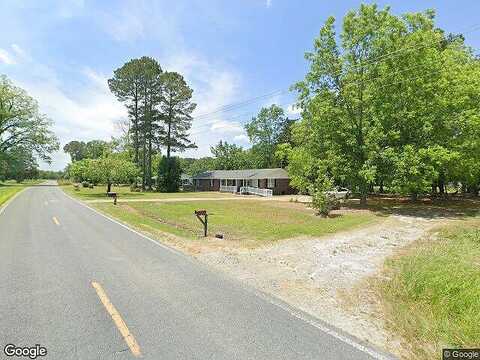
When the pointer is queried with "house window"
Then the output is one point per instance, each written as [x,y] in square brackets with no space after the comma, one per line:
[224,182]
[254,183]
[271,183]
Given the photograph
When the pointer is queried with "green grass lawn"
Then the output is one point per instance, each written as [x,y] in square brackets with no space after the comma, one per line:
[432,296]
[98,193]
[10,188]
[238,220]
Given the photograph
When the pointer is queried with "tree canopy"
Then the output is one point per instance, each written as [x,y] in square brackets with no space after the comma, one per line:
[159,107]
[386,102]
[25,134]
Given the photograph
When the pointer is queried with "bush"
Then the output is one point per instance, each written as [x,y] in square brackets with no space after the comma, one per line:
[85,184]
[322,201]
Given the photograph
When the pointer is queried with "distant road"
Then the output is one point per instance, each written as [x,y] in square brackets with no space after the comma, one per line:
[86,287]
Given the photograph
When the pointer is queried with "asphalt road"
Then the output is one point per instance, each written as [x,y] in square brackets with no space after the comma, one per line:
[146,300]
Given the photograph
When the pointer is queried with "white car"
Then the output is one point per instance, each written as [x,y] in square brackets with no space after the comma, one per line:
[339,194]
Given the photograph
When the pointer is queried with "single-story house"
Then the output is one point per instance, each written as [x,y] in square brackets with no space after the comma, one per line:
[276,180]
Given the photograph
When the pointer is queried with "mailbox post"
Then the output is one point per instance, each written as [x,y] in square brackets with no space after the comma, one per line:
[204,220]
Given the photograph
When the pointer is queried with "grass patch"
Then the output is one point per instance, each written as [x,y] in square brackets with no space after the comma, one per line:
[9,188]
[98,193]
[432,295]
[238,220]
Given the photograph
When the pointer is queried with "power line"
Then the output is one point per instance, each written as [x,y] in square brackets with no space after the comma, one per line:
[251,113]
[213,121]
[368,81]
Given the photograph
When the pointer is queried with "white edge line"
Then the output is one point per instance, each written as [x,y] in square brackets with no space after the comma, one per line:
[296,313]
[5,205]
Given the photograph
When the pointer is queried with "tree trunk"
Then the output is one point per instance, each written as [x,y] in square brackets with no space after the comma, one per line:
[135,131]
[149,163]
[363,200]
[109,186]
[413,197]
[169,134]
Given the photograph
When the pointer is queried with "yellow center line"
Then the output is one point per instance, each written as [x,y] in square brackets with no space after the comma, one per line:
[55,220]
[117,319]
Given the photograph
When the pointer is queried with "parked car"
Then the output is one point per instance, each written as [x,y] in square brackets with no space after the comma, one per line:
[339,193]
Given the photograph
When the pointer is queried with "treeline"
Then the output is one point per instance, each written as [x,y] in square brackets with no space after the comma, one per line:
[25,134]
[390,103]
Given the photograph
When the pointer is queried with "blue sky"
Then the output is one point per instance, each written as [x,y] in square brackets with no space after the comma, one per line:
[63,51]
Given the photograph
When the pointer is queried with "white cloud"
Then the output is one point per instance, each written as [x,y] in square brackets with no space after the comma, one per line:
[293,110]
[19,52]
[6,57]
[91,113]
[241,139]
[226,127]
[268,3]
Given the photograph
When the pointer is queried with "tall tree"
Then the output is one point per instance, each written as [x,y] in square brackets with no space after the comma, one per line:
[76,150]
[151,93]
[126,85]
[138,85]
[176,109]
[266,131]
[22,124]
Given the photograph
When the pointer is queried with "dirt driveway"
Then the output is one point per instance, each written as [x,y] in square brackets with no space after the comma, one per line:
[324,276]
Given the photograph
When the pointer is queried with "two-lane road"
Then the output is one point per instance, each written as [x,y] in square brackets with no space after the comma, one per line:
[86,287]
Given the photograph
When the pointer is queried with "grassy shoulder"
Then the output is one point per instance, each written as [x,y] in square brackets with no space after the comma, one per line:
[252,221]
[123,192]
[9,188]
[432,292]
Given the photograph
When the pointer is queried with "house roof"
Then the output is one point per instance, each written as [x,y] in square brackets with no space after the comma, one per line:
[244,174]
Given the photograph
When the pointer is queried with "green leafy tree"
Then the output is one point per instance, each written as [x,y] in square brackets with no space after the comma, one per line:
[389,92]
[266,131]
[230,157]
[200,165]
[95,149]
[21,123]
[108,170]
[76,150]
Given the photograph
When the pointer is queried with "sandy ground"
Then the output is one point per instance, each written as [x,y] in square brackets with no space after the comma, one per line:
[324,277]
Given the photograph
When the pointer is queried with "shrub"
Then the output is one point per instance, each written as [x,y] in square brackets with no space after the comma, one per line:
[322,201]
[85,184]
